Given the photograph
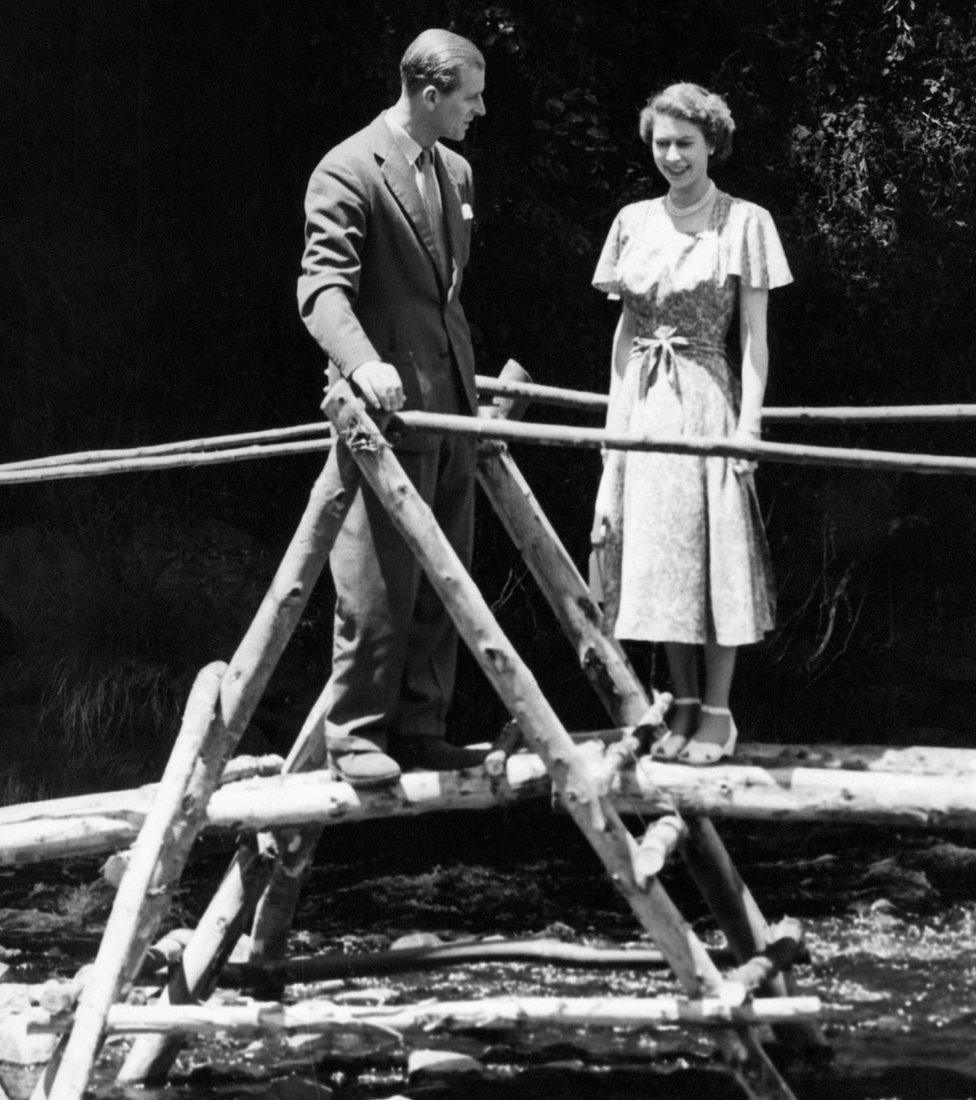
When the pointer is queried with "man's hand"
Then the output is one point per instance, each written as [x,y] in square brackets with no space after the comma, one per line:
[379,384]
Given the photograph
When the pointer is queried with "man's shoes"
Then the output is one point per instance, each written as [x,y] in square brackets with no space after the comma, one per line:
[361,763]
[434,754]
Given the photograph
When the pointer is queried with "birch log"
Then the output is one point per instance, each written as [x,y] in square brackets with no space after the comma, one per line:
[247,676]
[275,912]
[25,474]
[182,447]
[143,896]
[597,402]
[796,454]
[512,680]
[601,657]
[317,968]
[728,791]
[507,1013]
[611,674]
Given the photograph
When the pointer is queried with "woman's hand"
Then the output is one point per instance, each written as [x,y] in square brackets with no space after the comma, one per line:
[604,501]
[745,436]
[601,527]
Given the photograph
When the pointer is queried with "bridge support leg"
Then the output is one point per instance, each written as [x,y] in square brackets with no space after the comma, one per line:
[606,665]
[572,777]
[243,684]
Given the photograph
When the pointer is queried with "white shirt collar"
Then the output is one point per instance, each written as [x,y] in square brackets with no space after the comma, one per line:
[410,148]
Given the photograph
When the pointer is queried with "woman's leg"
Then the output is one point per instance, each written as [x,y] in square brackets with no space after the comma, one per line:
[683,665]
[719,669]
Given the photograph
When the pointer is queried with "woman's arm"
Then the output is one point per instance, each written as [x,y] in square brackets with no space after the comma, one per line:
[755,357]
[616,422]
[623,337]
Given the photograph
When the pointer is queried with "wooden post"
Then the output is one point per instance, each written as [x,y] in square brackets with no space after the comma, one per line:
[295,850]
[785,947]
[158,858]
[617,685]
[658,842]
[572,780]
[213,939]
[600,657]
[244,682]
[741,919]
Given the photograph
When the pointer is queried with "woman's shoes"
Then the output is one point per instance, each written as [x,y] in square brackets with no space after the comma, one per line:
[672,744]
[702,753]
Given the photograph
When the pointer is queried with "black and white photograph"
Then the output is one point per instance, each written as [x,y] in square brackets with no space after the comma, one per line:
[488,550]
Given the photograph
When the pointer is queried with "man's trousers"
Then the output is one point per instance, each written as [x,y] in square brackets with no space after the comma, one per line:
[394,644]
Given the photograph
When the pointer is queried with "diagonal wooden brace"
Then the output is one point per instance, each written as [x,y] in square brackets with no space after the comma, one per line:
[243,685]
[572,780]
[618,686]
[157,860]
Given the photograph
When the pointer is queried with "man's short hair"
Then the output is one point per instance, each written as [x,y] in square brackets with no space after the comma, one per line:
[437,57]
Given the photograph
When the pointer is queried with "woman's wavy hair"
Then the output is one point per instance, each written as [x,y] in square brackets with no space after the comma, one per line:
[693,103]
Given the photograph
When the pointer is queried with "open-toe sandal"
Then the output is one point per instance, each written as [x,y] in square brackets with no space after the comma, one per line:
[669,746]
[703,753]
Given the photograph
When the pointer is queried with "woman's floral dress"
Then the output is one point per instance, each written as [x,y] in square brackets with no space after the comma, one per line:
[686,559]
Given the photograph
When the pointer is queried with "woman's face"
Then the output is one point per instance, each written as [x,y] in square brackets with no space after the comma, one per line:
[681,154]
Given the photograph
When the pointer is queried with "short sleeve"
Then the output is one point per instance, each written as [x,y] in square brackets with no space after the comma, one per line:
[756,254]
[607,274]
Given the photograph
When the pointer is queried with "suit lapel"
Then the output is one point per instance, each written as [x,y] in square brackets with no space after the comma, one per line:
[399,176]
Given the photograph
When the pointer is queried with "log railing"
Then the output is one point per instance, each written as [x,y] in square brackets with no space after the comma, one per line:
[597,402]
[303,439]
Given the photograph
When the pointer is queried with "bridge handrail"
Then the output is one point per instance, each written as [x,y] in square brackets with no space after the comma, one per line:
[316,436]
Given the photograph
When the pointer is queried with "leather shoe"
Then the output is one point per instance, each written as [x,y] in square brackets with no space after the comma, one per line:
[434,754]
[361,762]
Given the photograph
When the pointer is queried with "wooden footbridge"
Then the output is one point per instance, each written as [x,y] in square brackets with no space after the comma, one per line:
[280,808]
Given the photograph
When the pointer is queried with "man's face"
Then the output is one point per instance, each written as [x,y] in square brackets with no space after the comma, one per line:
[453,112]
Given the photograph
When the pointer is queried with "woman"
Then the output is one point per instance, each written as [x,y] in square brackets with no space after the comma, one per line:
[685,559]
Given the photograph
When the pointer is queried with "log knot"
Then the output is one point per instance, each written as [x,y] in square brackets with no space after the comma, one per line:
[496,658]
[364,441]
[490,448]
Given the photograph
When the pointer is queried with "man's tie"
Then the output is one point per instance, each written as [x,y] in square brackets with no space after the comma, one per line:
[435,210]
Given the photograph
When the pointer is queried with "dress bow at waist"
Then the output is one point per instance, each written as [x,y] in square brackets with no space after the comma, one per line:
[660,353]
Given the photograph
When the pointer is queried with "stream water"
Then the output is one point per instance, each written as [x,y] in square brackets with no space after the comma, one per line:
[890,924]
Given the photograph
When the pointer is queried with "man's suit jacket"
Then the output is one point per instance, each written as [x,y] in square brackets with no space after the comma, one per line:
[370,286]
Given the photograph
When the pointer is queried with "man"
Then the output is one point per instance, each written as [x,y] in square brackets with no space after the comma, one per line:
[388,228]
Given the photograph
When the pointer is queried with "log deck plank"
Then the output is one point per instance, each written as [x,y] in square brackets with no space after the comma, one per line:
[729,791]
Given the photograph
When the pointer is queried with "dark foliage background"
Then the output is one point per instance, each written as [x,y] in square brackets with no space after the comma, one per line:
[155,160]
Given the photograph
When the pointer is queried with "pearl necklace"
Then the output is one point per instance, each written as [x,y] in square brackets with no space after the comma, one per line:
[687,211]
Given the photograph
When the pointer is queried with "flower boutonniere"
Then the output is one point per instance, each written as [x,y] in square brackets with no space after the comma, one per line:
[466,212]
